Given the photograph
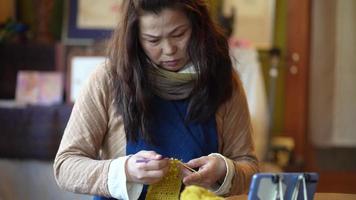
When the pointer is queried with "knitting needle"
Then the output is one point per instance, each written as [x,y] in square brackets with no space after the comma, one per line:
[146,160]
[187,167]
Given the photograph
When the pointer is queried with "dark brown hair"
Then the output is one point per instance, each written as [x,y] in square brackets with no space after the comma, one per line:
[207,49]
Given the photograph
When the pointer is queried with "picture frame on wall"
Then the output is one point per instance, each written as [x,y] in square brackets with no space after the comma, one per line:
[254,21]
[89,20]
[39,87]
[81,64]
[7,10]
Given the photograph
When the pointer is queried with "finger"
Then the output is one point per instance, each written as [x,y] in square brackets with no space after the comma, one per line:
[150,181]
[193,178]
[184,171]
[149,155]
[157,164]
[194,163]
[156,174]
[199,182]
[145,176]
[153,176]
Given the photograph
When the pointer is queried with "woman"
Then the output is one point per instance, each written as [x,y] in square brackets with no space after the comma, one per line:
[167,90]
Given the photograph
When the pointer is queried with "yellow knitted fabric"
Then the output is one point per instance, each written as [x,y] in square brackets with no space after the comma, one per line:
[198,193]
[169,187]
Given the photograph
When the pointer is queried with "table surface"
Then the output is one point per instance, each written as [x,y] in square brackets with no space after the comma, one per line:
[318,196]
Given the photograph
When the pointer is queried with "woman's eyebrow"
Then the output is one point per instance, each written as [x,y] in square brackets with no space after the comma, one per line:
[149,35]
[172,31]
[177,28]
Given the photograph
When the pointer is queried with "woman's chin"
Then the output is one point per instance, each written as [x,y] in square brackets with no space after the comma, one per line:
[172,68]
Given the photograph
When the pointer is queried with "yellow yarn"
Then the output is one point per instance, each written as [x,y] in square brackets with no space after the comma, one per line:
[169,187]
[198,193]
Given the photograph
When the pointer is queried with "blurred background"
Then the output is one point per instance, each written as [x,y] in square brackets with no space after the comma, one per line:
[296,59]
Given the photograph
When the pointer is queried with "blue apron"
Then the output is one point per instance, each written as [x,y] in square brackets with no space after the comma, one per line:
[173,138]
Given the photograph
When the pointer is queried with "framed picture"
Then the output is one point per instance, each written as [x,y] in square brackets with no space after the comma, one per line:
[39,87]
[81,63]
[89,20]
[7,10]
[254,21]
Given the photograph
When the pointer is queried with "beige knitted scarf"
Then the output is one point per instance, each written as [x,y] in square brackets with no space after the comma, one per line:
[171,85]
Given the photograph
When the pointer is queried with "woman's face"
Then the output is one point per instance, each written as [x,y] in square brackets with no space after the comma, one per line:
[164,37]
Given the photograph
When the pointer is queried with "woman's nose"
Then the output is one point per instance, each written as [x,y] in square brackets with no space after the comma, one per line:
[169,48]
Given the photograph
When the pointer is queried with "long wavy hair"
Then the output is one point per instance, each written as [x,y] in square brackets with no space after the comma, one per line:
[207,50]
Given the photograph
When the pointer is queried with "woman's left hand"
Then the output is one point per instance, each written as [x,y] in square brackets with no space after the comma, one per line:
[211,170]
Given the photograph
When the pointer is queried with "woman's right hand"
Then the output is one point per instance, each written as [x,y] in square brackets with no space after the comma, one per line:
[146,167]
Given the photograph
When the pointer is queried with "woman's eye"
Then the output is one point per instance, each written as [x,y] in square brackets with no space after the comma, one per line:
[178,35]
[153,41]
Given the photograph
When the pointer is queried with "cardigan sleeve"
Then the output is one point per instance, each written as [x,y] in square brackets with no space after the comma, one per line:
[76,166]
[235,136]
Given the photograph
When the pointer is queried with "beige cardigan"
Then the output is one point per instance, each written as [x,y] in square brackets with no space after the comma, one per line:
[95,135]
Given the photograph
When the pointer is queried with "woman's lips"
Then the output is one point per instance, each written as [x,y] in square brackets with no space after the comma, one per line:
[170,63]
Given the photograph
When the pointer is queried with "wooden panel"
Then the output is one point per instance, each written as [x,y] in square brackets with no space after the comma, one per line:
[337,182]
[298,37]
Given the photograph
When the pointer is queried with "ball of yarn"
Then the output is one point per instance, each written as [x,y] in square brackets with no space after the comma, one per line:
[193,192]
